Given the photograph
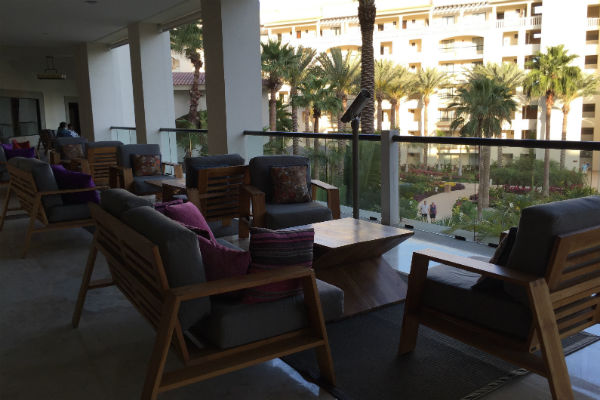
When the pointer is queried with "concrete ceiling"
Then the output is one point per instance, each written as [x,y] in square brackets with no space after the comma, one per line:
[54,23]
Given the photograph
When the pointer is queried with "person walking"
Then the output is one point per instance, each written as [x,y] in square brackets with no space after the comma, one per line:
[423,210]
[432,211]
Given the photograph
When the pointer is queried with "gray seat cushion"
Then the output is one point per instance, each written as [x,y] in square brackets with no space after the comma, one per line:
[180,255]
[450,291]
[538,227]
[117,201]
[68,212]
[127,150]
[43,177]
[140,186]
[193,164]
[235,323]
[279,216]
[260,174]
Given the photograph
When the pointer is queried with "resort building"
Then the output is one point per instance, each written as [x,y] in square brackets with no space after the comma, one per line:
[453,36]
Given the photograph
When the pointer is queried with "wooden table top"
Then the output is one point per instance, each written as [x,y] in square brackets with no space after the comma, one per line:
[349,231]
[176,182]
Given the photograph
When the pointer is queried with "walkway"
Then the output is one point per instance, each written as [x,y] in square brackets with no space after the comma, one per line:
[445,200]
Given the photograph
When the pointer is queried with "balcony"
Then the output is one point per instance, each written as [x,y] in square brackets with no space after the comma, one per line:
[461,52]
[527,22]
[593,22]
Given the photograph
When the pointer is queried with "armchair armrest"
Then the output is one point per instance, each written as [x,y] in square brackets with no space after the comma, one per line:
[252,195]
[83,164]
[472,265]
[120,177]
[67,191]
[205,289]
[53,157]
[333,196]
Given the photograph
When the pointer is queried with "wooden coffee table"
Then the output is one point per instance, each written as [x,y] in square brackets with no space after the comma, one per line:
[170,187]
[348,255]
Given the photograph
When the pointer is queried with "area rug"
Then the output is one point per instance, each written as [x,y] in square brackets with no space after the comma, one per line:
[364,350]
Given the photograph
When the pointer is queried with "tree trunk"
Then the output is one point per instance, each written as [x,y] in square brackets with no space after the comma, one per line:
[425,131]
[546,184]
[307,121]
[500,157]
[344,100]
[483,195]
[295,141]
[565,109]
[394,104]
[379,114]
[192,116]
[316,115]
[273,110]
[366,17]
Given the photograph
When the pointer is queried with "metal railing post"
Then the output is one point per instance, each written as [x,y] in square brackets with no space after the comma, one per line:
[390,202]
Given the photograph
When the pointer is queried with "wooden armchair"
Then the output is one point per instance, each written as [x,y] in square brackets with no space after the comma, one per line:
[121,176]
[33,183]
[99,157]
[143,270]
[47,138]
[256,206]
[549,290]
[56,154]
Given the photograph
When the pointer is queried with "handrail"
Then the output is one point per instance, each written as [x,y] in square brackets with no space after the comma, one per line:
[310,135]
[131,128]
[183,130]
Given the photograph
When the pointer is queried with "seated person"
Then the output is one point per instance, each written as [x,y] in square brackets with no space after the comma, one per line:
[63,131]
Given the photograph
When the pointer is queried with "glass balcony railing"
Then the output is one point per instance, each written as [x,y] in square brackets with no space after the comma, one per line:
[123,134]
[185,142]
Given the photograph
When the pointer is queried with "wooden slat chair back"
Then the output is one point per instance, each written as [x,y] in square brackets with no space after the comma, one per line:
[98,163]
[564,302]
[22,183]
[137,270]
[217,193]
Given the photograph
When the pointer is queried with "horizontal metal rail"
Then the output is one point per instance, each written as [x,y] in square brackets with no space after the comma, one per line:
[183,130]
[309,135]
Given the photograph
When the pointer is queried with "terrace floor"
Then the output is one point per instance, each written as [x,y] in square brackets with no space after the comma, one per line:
[41,356]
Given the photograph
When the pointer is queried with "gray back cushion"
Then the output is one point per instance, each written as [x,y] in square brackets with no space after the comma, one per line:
[43,177]
[117,201]
[63,141]
[538,227]
[3,171]
[127,150]
[193,164]
[180,254]
[260,171]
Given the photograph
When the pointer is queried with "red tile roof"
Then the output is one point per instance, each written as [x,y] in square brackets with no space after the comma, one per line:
[186,78]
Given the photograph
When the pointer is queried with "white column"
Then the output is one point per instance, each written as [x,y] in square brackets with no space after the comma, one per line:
[105,92]
[152,80]
[390,202]
[233,75]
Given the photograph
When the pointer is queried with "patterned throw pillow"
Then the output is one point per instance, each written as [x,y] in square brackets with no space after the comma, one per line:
[500,257]
[289,184]
[145,165]
[270,250]
[72,151]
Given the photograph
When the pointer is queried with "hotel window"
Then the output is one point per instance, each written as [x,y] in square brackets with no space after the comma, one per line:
[591,61]
[337,31]
[279,37]
[508,134]
[404,23]
[19,116]
[500,15]
[591,36]
[587,134]
[380,27]
[530,112]
[533,37]
[449,20]
[529,134]
[446,115]
[593,11]
[536,9]
[478,17]
[298,34]
[589,110]
[447,45]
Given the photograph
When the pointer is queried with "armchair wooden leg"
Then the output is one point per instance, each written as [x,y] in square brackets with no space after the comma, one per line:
[161,349]
[85,282]
[5,207]
[317,324]
[550,345]
[410,321]
[34,213]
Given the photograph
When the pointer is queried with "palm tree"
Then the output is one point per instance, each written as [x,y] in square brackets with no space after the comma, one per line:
[366,17]
[384,73]
[508,74]
[400,86]
[341,71]
[187,40]
[316,95]
[548,70]
[572,88]
[427,82]
[276,59]
[481,107]
[296,73]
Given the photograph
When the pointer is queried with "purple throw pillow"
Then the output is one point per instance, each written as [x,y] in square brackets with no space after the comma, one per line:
[221,262]
[27,153]
[188,214]
[6,146]
[66,179]
[162,207]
